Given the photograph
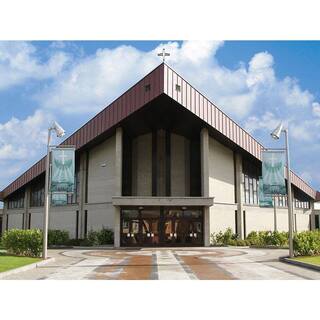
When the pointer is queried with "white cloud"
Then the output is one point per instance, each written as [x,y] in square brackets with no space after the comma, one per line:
[22,139]
[316,109]
[19,62]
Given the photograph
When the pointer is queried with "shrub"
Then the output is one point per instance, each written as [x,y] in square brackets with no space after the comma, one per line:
[267,238]
[241,243]
[307,243]
[223,238]
[105,236]
[58,237]
[93,238]
[23,242]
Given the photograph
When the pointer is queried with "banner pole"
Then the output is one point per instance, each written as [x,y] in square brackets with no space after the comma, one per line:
[290,209]
[47,202]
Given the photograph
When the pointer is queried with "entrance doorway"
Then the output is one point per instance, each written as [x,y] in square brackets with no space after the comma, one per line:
[161,226]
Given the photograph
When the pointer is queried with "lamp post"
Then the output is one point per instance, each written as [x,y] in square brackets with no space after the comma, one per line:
[276,135]
[60,133]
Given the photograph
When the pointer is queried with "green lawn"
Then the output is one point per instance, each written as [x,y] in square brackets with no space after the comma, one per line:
[313,260]
[8,262]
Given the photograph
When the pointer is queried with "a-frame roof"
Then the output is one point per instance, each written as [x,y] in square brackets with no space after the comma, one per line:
[162,80]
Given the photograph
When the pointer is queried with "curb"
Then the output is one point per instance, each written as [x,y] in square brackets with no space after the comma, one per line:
[26,268]
[299,263]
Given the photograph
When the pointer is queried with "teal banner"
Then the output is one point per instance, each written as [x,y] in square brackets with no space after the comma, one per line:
[273,172]
[59,199]
[62,170]
[264,200]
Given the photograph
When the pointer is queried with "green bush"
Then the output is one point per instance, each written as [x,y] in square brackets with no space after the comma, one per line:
[223,238]
[58,237]
[105,236]
[307,243]
[23,242]
[267,238]
[241,243]
[93,238]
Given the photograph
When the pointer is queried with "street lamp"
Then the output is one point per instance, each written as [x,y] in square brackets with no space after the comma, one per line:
[60,133]
[275,134]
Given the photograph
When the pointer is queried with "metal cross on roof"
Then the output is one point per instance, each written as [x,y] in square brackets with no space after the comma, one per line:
[163,54]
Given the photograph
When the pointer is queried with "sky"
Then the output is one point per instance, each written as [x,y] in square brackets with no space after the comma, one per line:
[257,83]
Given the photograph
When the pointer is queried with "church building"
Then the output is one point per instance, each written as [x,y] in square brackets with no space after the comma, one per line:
[161,166]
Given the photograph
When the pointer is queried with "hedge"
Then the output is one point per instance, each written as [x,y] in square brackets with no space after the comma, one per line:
[104,236]
[307,243]
[23,242]
[58,237]
[254,238]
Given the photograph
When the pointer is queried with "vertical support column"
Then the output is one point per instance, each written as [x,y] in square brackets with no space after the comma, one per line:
[116,229]
[312,216]
[82,191]
[161,163]
[118,184]
[5,216]
[204,150]
[118,163]
[239,193]
[26,206]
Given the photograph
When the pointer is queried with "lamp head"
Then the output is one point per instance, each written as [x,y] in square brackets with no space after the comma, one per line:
[275,134]
[58,129]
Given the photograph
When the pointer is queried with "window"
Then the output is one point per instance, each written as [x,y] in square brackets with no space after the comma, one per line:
[16,201]
[147,87]
[178,88]
[300,204]
[37,195]
[250,181]
[250,187]
[74,197]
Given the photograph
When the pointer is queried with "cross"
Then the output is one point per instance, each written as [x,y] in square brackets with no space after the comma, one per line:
[63,157]
[163,54]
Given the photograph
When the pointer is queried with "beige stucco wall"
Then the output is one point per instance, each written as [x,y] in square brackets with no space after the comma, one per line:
[62,219]
[142,165]
[263,219]
[15,220]
[101,179]
[36,217]
[222,216]
[221,172]
[180,167]
[100,215]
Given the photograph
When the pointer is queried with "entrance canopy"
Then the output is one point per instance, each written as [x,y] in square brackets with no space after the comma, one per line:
[163,201]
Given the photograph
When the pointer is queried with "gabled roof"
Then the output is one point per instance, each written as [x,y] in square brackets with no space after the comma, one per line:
[162,80]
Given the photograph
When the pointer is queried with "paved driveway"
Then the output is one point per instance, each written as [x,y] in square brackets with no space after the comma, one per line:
[168,264]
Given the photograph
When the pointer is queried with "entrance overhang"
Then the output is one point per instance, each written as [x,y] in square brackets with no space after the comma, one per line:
[163,201]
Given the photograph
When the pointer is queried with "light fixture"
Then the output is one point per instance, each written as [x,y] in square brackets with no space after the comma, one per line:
[275,134]
[58,129]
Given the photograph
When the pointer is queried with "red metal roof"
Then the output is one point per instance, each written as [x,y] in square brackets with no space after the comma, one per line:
[161,80]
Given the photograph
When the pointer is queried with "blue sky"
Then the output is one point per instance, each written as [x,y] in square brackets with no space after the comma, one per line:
[255,82]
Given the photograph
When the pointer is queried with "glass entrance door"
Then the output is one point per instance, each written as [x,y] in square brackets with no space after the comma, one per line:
[183,227]
[140,227]
[159,226]
[130,235]
[150,220]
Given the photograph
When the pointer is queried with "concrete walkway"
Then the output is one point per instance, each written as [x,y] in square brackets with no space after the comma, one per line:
[168,264]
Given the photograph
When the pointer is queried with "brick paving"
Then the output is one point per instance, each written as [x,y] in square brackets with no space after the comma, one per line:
[168,264]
